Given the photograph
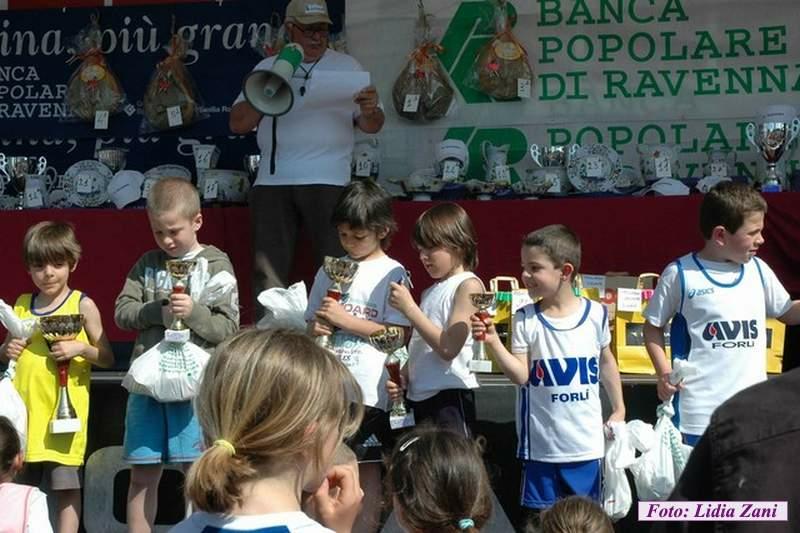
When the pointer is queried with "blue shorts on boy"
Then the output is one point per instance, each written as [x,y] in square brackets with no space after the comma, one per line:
[158,432]
[718,312]
[559,416]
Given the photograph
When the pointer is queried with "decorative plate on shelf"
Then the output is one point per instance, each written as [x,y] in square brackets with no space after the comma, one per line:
[86,183]
[594,168]
[169,171]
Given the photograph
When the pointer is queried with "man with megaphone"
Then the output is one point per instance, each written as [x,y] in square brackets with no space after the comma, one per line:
[306,136]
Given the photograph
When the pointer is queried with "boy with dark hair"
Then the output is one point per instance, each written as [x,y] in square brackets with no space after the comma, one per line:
[718,300]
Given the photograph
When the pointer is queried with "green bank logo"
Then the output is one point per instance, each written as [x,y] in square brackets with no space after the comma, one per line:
[470,29]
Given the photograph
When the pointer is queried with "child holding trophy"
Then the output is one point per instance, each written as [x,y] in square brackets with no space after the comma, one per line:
[439,379]
[363,218]
[51,253]
[560,351]
[157,432]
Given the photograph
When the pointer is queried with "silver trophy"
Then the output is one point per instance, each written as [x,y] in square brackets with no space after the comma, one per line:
[482,301]
[251,163]
[388,341]
[341,271]
[16,170]
[62,328]
[771,139]
[113,158]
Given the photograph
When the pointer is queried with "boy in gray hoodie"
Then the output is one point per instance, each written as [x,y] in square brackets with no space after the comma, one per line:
[156,432]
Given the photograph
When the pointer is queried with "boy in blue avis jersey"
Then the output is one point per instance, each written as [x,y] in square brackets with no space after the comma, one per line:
[559,353]
[718,300]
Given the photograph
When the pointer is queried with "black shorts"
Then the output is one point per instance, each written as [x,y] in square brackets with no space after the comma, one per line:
[452,409]
[374,436]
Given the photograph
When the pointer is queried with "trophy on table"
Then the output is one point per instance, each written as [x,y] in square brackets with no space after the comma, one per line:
[483,301]
[113,158]
[62,328]
[17,170]
[389,340]
[179,271]
[771,137]
[341,271]
[251,163]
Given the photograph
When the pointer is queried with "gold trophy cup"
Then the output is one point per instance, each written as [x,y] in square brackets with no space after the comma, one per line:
[389,340]
[179,270]
[62,328]
[341,272]
[483,301]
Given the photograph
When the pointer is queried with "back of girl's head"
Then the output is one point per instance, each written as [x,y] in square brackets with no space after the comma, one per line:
[447,225]
[50,243]
[9,446]
[274,397]
[438,482]
[559,243]
[575,514]
[364,204]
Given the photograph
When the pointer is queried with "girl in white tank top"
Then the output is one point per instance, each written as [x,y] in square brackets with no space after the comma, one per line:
[441,344]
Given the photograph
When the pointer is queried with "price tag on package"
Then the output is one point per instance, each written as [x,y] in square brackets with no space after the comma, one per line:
[202,158]
[629,300]
[663,167]
[450,170]
[84,184]
[502,174]
[211,189]
[594,166]
[594,281]
[33,197]
[174,116]
[523,87]
[718,169]
[411,103]
[101,120]
[363,167]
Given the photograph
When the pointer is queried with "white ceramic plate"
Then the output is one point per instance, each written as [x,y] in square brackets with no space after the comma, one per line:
[169,171]
[96,174]
[610,168]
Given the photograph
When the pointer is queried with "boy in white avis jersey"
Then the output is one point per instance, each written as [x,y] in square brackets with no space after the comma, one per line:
[718,300]
[560,351]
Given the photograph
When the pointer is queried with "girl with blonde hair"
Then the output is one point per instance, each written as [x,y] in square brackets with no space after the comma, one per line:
[273,407]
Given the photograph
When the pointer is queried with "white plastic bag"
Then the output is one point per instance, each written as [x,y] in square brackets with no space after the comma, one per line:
[21,329]
[657,470]
[285,308]
[11,404]
[620,454]
[168,372]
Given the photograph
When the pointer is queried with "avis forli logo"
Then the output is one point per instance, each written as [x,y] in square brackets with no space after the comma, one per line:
[731,333]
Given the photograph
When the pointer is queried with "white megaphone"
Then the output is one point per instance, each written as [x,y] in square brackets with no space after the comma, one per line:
[269,91]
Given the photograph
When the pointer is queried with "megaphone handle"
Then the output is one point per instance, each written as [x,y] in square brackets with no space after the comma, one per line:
[274,146]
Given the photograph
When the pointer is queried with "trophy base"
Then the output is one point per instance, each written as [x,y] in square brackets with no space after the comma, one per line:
[484,197]
[180,336]
[65,425]
[481,366]
[421,197]
[402,421]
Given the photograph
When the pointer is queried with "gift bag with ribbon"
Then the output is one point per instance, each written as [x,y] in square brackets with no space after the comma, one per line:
[627,339]
[506,304]
[776,335]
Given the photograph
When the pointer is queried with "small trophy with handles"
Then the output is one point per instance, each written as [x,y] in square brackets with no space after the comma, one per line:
[62,328]
[389,340]
[482,301]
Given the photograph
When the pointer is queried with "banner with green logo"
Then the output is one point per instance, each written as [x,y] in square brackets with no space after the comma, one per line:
[618,72]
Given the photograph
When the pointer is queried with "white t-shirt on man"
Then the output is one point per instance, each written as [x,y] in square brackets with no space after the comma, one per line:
[315,138]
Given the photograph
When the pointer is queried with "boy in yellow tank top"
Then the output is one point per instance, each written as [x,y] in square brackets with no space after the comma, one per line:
[51,253]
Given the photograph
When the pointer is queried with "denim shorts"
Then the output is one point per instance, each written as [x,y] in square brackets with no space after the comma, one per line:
[544,483]
[157,432]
